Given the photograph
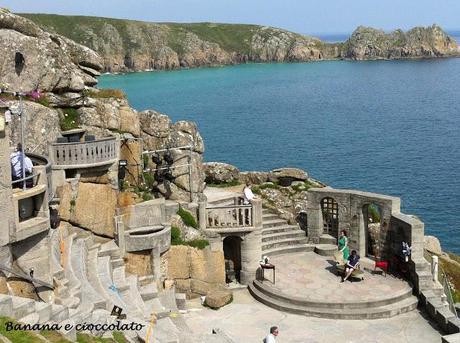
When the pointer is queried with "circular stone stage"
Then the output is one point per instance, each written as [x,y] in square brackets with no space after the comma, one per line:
[306,283]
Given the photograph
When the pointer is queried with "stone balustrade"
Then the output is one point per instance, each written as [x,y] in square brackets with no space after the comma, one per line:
[84,154]
[233,216]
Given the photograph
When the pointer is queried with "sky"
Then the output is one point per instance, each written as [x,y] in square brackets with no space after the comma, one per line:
[303,16]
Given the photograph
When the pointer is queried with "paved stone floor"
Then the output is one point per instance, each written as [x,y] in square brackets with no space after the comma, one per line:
[311,276]
[247,320]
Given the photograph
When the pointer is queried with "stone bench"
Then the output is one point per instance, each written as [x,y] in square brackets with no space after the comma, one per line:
[356,274]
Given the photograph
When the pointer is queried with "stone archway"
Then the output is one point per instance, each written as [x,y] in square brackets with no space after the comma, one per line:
[330,211]
[232,255]
[372,215]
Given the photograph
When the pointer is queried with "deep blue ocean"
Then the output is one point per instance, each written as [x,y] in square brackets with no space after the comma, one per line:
[391,127]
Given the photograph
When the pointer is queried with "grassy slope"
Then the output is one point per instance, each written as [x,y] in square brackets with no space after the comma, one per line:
[230,37]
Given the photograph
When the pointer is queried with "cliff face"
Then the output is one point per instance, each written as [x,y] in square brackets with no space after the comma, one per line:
[368,43]
[64,72]
[127,45]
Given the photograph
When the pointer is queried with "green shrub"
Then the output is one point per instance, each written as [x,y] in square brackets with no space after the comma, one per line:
[374,213]
[16,336]
[69,119]
[197,243]
[187,218]
[106,93]
[225,184]
[148,180]
[176,238]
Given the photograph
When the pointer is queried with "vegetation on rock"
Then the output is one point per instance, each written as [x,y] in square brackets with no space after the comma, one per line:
[176,239]
[187,218]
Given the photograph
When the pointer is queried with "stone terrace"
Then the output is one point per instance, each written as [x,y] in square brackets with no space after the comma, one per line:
[312,276]
[246,320]
[306,283]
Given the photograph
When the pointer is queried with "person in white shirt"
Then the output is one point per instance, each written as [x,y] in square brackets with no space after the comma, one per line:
[18,159]
[271,337]
[248,194]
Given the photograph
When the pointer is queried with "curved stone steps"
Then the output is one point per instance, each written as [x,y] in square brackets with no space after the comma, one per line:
[288,249]
[280,229]
[281,243]
[129,292]
[381,301]
[93,277]
[326,249]
[297,234]
[74,283]
[273,223]
[91,299]
[104,274]
[377,312]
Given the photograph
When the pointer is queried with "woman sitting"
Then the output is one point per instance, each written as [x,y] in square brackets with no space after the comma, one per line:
[352,265]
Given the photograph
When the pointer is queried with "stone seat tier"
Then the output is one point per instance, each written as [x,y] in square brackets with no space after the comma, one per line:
[376,312]
[127,288]
[73,282]
[91,299]
[279,229]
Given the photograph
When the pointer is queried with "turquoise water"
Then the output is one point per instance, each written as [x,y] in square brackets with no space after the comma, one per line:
[390,127]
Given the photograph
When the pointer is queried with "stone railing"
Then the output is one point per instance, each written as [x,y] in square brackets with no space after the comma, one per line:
[231,217]
[84,154]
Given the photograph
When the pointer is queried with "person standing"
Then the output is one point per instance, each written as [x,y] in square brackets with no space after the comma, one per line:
[343,245]
[271,337]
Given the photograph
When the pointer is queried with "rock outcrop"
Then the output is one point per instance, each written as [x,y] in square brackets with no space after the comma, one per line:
[64,73]
[367,43]
[195,272]
[127,45]
[218,172]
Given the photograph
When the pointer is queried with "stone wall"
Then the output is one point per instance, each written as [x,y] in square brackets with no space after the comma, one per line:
[195,272]
[351,217]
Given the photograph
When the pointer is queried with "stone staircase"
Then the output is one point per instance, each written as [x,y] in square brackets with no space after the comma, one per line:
[390,306]
[433,298]
[278,237]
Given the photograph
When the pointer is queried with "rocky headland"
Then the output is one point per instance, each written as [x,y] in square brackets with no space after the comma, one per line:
[128,45]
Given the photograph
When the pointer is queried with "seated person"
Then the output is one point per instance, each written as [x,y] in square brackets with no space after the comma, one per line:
[351,265]
[18,160]
[248,194]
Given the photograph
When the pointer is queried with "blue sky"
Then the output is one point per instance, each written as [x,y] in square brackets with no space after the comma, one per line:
[304,16]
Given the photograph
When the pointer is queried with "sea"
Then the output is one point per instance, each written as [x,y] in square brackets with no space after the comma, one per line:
[390,127]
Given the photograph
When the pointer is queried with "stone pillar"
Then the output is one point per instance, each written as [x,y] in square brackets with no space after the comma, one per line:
[7,213]
[156,263]
[202,214]
[251,246]
[314,220]
[120,234]
[362,234]
[435,267]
